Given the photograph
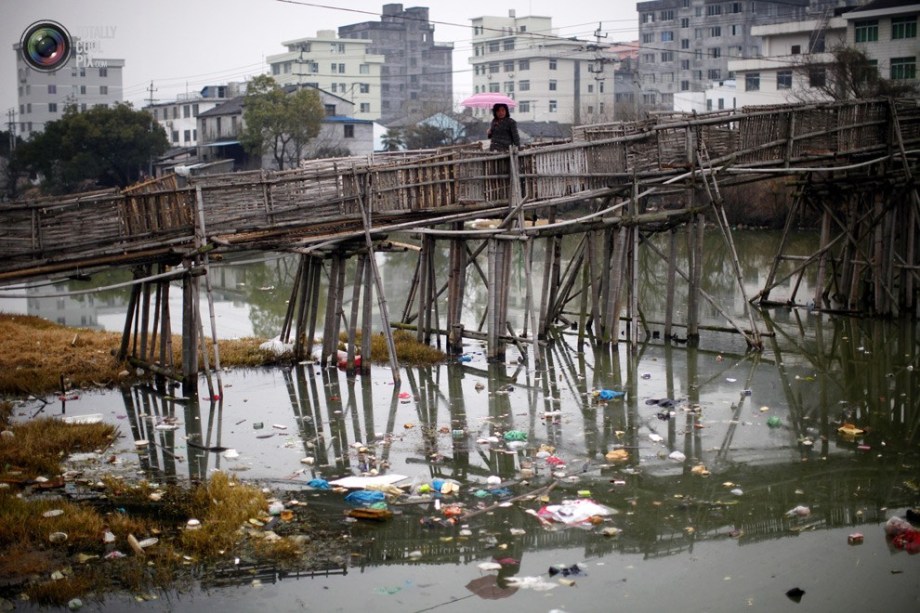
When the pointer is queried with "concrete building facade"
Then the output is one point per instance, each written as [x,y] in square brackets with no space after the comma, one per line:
[180,117]
[551,78]
[43,96]
[686,45]
[795,66]
[417,78]
[342,66]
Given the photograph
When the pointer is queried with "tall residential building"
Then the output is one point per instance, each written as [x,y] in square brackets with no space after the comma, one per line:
[43,96]
[797,64]
[179,117]
[686,44]
[343,66]
[551,78]
[417,79]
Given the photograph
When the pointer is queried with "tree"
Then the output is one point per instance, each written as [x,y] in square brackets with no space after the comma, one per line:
[425,136]
[279,122]
[851,75]
[103,146]
[393,140]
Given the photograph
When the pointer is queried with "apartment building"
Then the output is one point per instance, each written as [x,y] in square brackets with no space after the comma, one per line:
[179,117]
[342,66]
[416,79]
[551,78]
[797,54]
[686,45]
[43,96]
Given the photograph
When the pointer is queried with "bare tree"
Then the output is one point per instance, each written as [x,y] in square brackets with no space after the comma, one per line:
[850,75]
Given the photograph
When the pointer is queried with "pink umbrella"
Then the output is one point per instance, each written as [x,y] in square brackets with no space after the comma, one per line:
[485,100]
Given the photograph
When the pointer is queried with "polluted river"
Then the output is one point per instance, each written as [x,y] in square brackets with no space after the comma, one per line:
[672,477]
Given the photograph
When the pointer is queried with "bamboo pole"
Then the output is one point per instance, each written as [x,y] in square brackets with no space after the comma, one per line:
[669,292]
[367,316]
[353,321]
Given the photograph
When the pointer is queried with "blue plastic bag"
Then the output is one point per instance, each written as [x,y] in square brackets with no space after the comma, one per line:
[364,498]
[610,394]
[319,484]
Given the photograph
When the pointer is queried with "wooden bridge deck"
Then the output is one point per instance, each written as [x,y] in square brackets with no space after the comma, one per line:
[323,201]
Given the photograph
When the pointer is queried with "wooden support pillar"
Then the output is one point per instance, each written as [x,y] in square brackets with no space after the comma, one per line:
[334,300]
[672,278]
[499,273]
[821,277]
[190,335]
[426,289]
[355,308]
[456,285]
[367,316]
[614,277]
[695,232]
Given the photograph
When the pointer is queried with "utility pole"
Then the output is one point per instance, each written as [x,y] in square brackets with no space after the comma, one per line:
[597,67]
[11,123]
[150,101]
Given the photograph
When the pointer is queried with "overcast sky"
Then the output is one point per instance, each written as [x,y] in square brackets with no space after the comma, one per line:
[183,45]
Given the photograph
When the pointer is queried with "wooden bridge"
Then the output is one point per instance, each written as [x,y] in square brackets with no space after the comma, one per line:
[852,161]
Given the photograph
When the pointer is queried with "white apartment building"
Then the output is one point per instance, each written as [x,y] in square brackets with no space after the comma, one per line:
[43,96]
[341,66]
[551,78]
[180,117]
[792,68]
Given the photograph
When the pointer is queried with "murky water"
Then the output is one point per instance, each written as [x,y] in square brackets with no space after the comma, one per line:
[721,445]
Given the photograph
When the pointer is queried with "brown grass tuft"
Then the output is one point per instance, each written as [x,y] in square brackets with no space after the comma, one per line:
[38,446]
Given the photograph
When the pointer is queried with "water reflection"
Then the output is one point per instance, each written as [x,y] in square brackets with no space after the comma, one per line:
[714,408]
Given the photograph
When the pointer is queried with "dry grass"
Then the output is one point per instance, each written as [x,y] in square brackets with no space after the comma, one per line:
[408,349]
[222,505]
[37,446]
[40,357]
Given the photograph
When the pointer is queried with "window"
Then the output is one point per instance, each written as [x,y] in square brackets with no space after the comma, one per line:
[509,87]
[552,64]
[817,77]
[523,64]
[903,27]
[752,82]
[186,111]
[524,85]
[52,107]
[509,66]
[713,9]
[685,43]
[648,37]
[493,68]
[714,74]
[685,64]
[187,134]
[866,31]
[103,72]
[737,7]
[784,79]
[734,29]
[648,58]
[647,18]
[493,87]
[83,90]
[362,69]
[698,33]
[365,107]
[552,85]
[715,31]
[52,88]
[667,37]
[721,104]
[83,72]
[903,68]
[104,91]
[685,22]
[341,68]
[276,69]
[796,49]
[667,15]
[349,130]
[698,55]
[667,56]
[524,107]
[590,88]
[685,86]
[709,104]
[329,110]
[715,52]
[494,46]
[553,106]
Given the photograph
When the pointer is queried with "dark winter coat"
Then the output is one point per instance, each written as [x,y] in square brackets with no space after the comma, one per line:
[503,132]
